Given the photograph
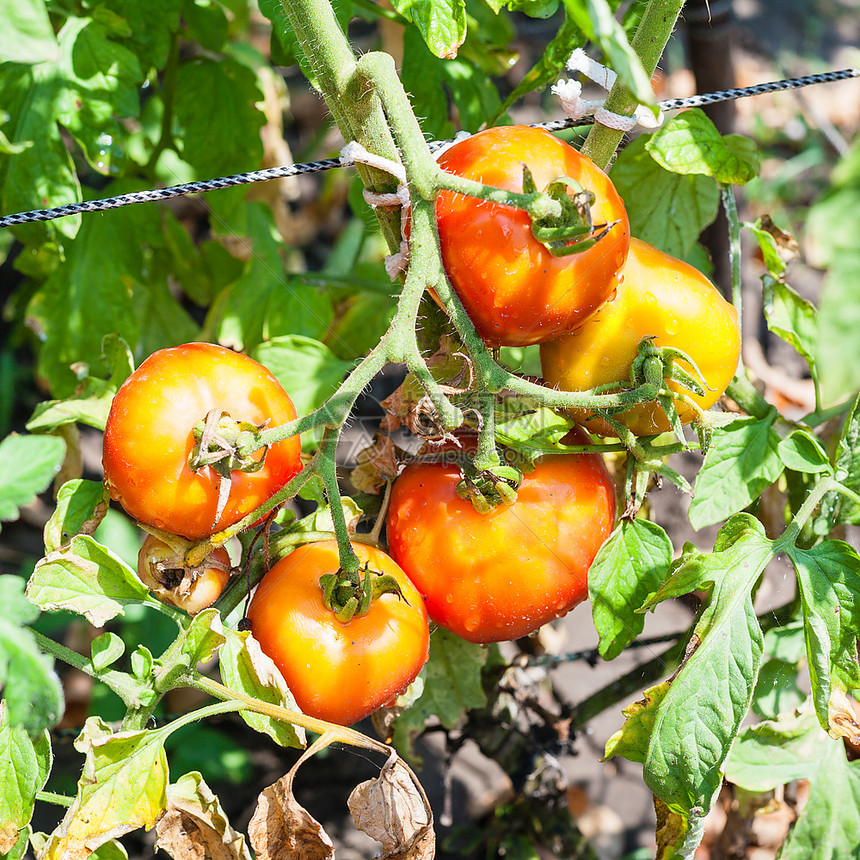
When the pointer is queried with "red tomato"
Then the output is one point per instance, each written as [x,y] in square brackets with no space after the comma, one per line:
[148,438]
[339,672]
[501,575]
[162,570]
[514,290]
[657,296]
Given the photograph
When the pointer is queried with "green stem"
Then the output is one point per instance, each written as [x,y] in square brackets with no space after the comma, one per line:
[731,209]
[744,393]
[168,90]
[223,707]
[650,39]
[847,492]
[327,468]
[806,510]
[58,799]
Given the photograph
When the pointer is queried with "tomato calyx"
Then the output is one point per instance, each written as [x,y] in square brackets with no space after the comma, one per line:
[350,595]
[488,488]
[220,441]
[573,230]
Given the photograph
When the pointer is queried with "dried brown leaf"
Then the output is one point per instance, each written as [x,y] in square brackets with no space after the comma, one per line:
[376,464]
[194,826]
[282,829]
[394,810]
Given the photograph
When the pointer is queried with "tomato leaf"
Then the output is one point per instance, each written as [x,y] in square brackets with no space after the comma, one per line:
[830,593]
[837,349]
[81,505]
[27,465]
[711,694]
[791,747]
[85,577]
[27,35]
[442,23]
[690,143]
[631,565]
[777,689]
[244,667]
[666,210]
[836,508]
[792,318]
[25,762]
[194,823]
[452,685]
[122,787]
[802,452]
[743,459]
[91,403]
[633,738]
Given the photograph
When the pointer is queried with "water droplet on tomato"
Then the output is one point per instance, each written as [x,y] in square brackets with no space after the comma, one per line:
[471,623]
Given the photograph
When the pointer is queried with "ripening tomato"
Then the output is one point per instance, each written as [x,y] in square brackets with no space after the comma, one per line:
[514,290]
[657,296]
[148,438]
[339,672]
[162,569]
[501,575]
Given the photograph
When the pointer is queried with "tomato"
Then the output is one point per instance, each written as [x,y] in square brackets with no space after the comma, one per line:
[148,438]
[162,570]
[657,296]
[501,575]
[339,672]
[514,290]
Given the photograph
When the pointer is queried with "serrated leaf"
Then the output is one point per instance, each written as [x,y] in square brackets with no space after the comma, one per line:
[829,586]
[122,787]
[743,459]
[666,210]
[790,317]
[452,685]
[533,432]
[86,578]
[802,452]
[631,565]
[81,505]
[711,693]
[27,465]
[245,668]
[25,763]
[91,403]
[690,143]
[26,35]
[442,23]
[633,738]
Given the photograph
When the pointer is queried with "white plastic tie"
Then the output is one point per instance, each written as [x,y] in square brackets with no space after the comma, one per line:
[569,93]
[397,263]
[355,153]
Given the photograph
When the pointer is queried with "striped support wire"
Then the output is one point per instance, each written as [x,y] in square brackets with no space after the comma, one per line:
[156,194]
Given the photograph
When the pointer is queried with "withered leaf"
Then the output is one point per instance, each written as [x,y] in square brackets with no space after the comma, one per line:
[394,810]
[194,826]
[282,829]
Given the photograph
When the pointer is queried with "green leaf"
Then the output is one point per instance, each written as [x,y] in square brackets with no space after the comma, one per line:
[529,429]
[837,347]
[775,752]
[777,689]
[423,77]
[633,738]
[690,143]
[306,368]
[442,23]
[802,452]
[106,650]
[245,668]
[790,317]
[25,763]
[91,403]
[30,687]
[122,787]
[362,325]
[473,93]
[150,26]
[87,578]
[827,577]
[596,19]
[769,249]
[26,35]
[452,686]
[42,175]
[666,210]
[711,693]
[207,23]
[743,459]
[631,565]
[27,465]
[836,508]
[214,106]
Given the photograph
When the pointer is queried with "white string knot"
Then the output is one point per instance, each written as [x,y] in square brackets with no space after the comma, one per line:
[576,107]
[355,153]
